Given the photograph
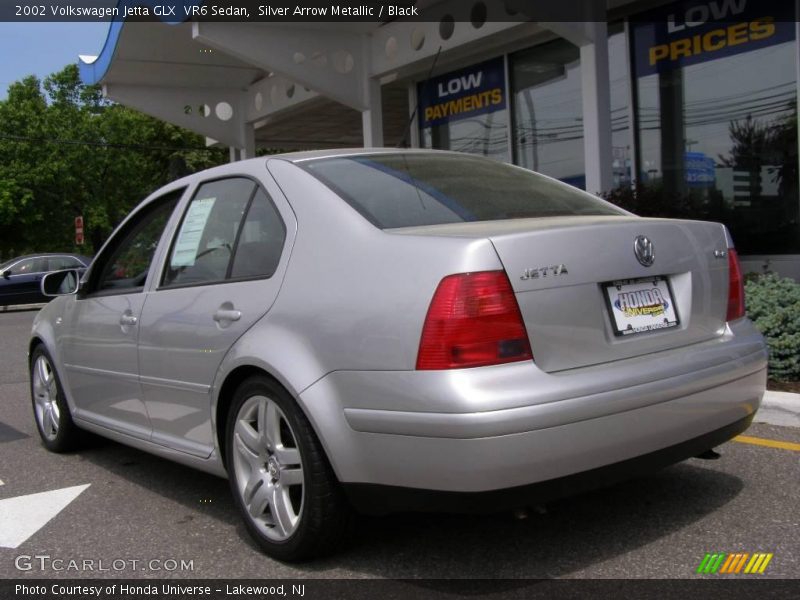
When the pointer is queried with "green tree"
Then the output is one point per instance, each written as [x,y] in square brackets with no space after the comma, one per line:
[66,151]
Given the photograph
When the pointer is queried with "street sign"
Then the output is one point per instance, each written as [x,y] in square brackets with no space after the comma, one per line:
[79,231]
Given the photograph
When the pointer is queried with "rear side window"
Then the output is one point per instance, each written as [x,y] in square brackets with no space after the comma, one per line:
[260,241]
[410,190]
[203,246]
[56,263]
[231,230]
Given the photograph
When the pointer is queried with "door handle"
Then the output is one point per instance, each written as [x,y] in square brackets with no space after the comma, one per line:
[128,320]
[224,314]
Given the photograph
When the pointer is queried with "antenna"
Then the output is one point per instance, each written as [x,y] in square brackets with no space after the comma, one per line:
[404,141]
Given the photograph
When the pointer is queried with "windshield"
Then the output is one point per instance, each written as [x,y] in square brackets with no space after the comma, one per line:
[416,189]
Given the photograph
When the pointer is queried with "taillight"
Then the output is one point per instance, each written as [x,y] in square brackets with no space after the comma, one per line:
[735,287]
[473,321]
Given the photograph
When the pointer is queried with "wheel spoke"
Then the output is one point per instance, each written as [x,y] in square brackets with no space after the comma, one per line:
[248,436]
[250,489]
[44,372]
[282,512]
[38,384]
[50,426]
[288,456]
[260,501]
[247,454]
[40,396]
[292,477]
[271,429]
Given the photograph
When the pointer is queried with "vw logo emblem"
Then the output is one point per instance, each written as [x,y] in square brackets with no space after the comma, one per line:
[644,251]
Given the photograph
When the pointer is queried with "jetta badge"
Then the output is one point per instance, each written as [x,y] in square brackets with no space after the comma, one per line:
[543,272]
[644,251]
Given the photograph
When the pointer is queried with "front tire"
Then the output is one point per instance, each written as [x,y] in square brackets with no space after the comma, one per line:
[280,477]
[50,409]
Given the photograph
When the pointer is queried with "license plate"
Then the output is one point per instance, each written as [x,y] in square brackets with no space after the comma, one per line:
[640,305]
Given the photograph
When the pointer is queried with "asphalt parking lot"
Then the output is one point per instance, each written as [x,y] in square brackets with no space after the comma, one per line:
[147,515]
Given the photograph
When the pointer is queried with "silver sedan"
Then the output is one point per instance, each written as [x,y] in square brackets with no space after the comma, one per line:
[389,330]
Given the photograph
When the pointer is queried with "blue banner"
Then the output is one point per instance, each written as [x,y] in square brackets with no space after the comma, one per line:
[700,169]
[462,94]
[695,31]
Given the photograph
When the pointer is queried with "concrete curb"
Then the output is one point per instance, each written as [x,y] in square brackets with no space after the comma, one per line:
[779,408]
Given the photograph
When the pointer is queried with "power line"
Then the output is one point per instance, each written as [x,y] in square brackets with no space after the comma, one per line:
[118,146]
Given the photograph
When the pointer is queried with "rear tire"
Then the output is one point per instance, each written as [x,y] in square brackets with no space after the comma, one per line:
[50,409]
[281,480]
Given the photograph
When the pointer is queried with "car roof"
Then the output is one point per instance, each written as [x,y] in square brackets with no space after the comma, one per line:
[336,152]
[227,169]
[80,257]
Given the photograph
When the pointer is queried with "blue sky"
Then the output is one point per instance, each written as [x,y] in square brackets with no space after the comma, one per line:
[42,48]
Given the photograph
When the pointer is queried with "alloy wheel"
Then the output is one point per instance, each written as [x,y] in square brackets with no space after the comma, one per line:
[45,395]
[268,468]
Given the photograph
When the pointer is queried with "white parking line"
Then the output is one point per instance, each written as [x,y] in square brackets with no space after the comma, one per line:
[23,516]
[1,482]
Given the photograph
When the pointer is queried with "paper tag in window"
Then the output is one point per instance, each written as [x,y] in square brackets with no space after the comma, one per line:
[191,232]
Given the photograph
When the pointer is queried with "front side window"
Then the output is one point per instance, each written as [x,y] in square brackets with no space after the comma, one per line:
[125,266]
[416,189]
[29,265]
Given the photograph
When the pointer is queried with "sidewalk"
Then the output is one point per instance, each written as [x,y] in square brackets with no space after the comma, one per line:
[779,408]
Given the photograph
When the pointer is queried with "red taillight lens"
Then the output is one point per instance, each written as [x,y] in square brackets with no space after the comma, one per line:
[473,321]
[735,287]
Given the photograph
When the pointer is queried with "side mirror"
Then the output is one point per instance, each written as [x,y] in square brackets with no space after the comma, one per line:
[60,283]
[6,274]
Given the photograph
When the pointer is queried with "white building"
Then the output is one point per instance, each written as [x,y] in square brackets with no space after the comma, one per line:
[662,93]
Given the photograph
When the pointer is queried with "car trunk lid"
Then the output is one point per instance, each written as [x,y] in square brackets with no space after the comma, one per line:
[560,269]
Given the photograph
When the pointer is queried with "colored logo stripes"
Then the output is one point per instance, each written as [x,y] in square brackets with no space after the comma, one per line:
[736,563]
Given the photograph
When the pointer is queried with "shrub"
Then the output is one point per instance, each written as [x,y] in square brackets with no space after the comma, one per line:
[773,303]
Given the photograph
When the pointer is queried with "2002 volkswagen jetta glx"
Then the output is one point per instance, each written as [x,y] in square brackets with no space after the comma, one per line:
[397,330]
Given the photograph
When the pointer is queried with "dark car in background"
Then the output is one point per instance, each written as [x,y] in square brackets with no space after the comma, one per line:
[20,277]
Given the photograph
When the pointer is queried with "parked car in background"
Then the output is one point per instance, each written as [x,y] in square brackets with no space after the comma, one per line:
[396,330]
[20,277]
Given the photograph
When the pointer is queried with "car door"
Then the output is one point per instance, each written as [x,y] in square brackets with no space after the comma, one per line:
[98,343]
[220,276]
[21,281]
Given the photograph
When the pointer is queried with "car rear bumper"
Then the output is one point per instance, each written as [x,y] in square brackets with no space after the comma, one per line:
[384,499]
[511,426]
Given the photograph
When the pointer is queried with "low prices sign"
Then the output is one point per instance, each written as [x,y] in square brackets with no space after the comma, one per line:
[79,231]
[462,94]
[695,31]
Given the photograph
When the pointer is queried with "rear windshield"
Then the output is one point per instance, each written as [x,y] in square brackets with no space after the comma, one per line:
[411,190]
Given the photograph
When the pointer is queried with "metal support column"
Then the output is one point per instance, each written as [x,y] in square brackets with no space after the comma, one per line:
[372,118]
[596,110]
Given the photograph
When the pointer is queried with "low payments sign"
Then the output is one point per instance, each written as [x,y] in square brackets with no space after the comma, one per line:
[462,94]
